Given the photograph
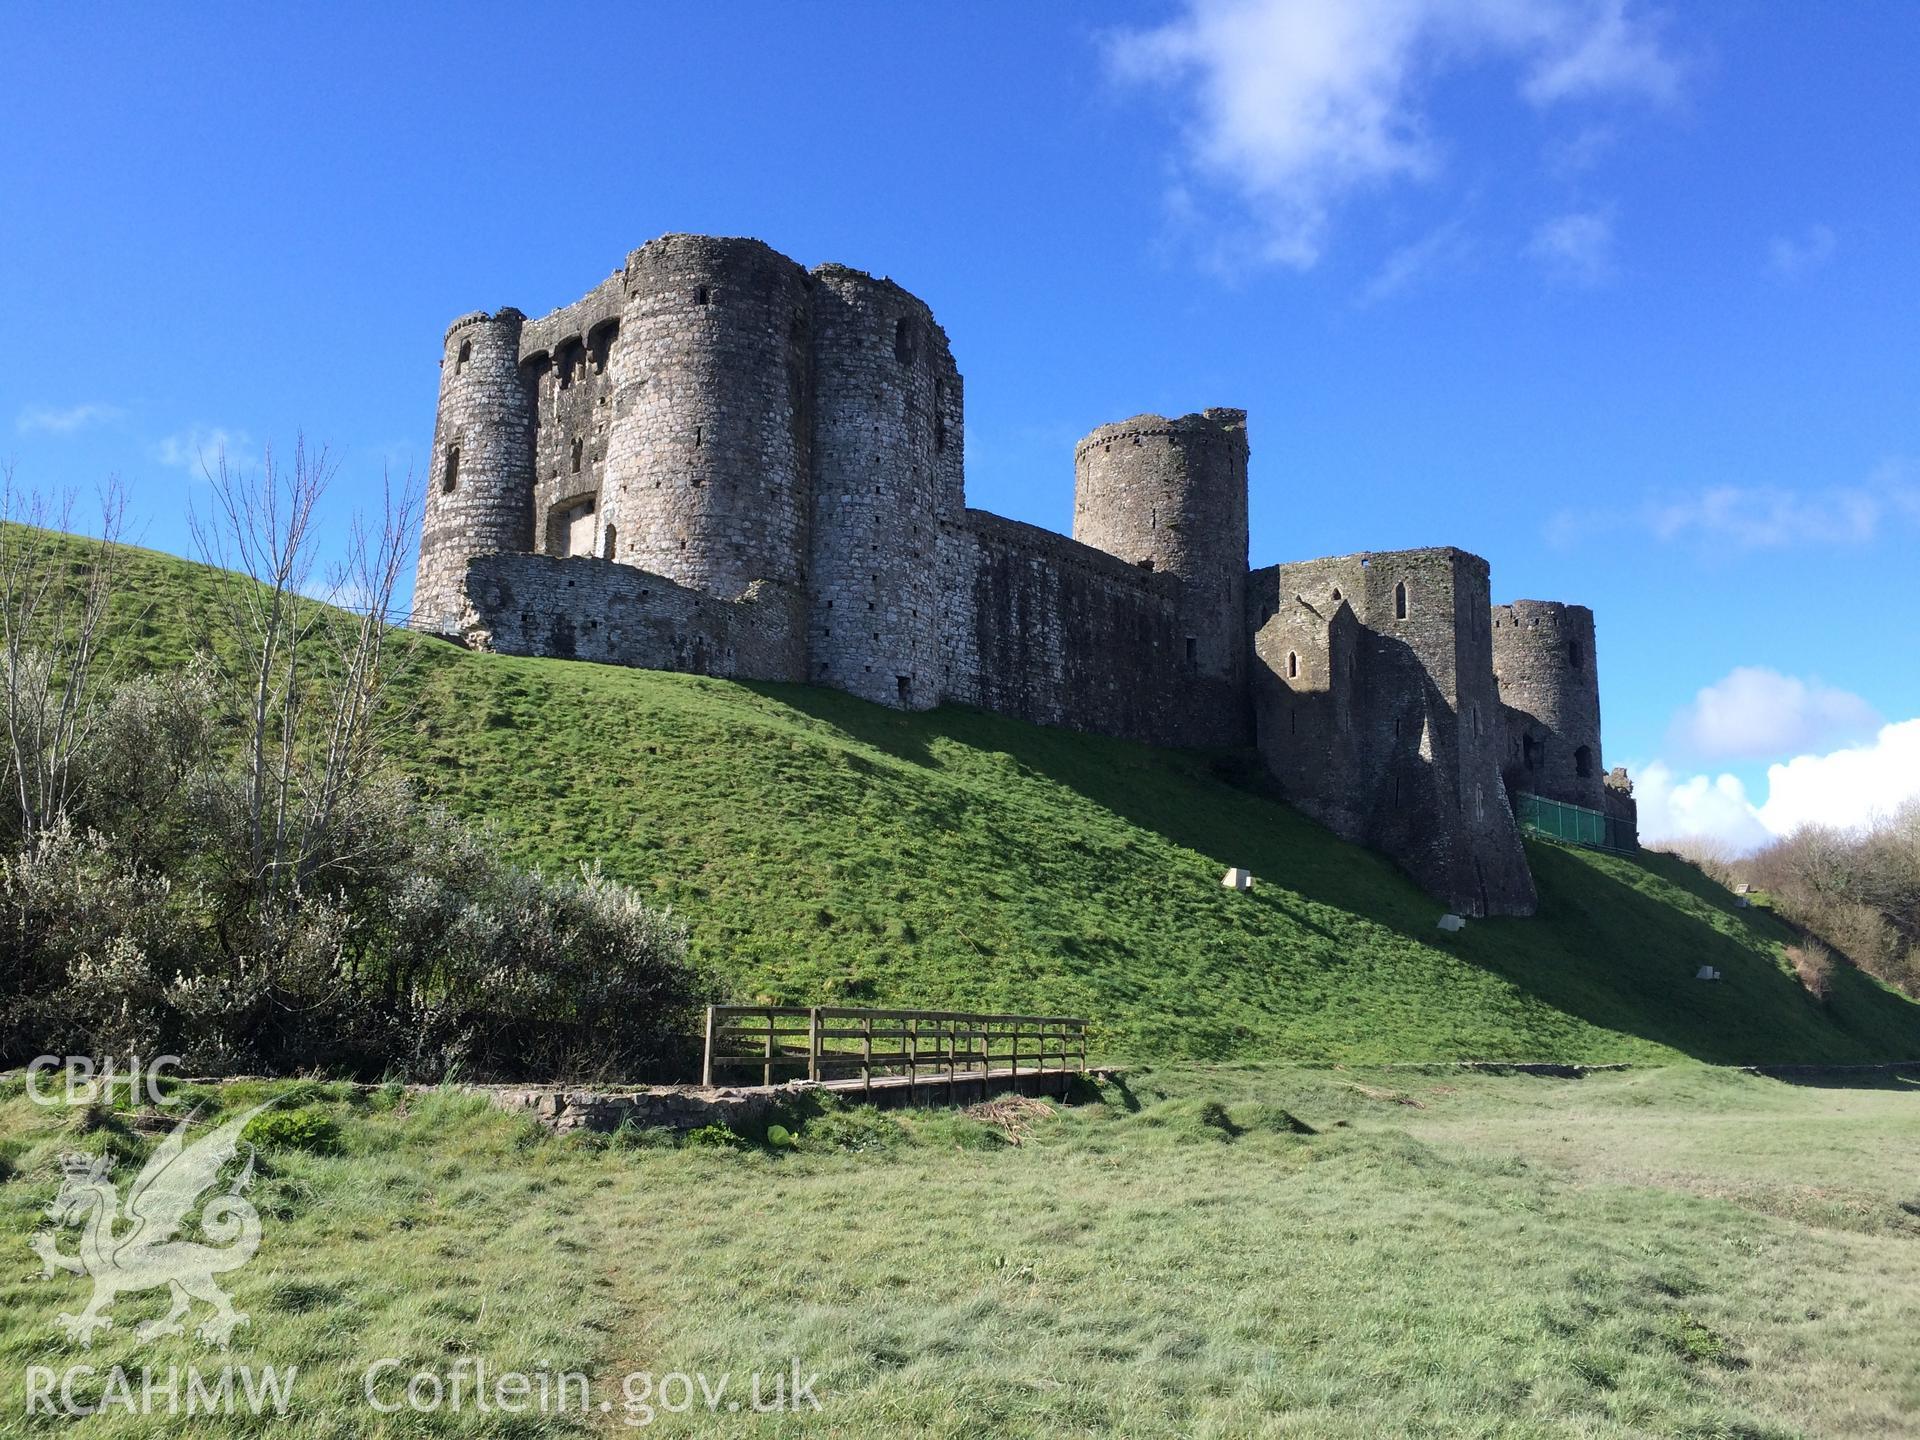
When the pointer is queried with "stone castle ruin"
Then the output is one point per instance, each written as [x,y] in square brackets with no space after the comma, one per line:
[720,462]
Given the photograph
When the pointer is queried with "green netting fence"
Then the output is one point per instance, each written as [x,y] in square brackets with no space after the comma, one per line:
[1574,824]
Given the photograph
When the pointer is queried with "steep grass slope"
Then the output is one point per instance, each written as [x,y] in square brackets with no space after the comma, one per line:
[826,850]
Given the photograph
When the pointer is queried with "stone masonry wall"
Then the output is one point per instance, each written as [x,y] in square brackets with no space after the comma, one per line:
[566,364]
[707,459]
[1058,633]
[587,609]
[1416,775]
[479,497]
[1543,659]
[1171,496]
[882,373]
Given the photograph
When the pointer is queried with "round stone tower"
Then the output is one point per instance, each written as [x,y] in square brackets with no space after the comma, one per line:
[1543,663]
[1171,495]
[886,394]
[480,488]
[707,449]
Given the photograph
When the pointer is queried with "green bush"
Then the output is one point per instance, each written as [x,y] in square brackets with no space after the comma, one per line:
[713,1137]
[313,1131]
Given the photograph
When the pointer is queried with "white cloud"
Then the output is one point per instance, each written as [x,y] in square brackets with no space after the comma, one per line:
[1754,713]
[1577,246]
[1676,807]
[1847,789]
[1789,256]
[47,420]
[1295,105]
[198,449]
[1447,246]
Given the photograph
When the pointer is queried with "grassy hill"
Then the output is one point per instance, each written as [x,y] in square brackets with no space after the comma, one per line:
[824,849]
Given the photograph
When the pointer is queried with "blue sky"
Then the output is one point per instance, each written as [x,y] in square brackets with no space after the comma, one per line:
[1623,297]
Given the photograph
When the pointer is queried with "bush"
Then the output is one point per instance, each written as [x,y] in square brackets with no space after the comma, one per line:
[1813,963]
[138,922]
[312,1131]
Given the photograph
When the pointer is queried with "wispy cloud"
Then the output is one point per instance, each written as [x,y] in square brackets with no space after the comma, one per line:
[1758,517]
[198,449]
[55,420]
[1577,246]
[1292,107]
[1442,248]
[1791,256]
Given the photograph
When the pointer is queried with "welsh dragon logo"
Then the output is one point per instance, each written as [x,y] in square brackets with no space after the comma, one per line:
[139,1251]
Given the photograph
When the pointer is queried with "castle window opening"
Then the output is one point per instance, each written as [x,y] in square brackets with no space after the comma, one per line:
[904,685]
[1193,650]
[451,477]
[700,296]
[600,346]
[606,544]
[571,358]
[1400,601]
[903,340]
[1583,762]
[1293,665]
[1530,752]
[460,360]
[578,447]
[1573,654]
[1336,595]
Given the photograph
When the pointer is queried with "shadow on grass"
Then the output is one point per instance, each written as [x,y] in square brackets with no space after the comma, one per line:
[1617,943]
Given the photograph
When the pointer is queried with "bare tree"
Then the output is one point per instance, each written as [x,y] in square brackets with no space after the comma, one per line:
[312,677]
[52,615]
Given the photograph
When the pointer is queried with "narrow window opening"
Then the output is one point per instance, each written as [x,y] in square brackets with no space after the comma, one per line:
[904,685]
[571,360]
[1193,650]
[460,360]
[1583,762]
[1293,665]
[1573,654]
[452,476]
[903,340]
[578,447]
[1530,749]
[606,544]
[1293,722]
[1336,595]
[700,296]
[1400,601]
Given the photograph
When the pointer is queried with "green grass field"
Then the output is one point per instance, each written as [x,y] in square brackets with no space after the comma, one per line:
[827,850]
[1674,1251]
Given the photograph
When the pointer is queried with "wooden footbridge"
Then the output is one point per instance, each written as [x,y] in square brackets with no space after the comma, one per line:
[917,1056]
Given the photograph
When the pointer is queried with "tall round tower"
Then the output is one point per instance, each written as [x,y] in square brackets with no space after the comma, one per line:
[707,450]
[885,433]
[480,487]
[1172,495]
[1549,684]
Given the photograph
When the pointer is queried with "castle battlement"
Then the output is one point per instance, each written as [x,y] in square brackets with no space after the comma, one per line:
[722,462]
